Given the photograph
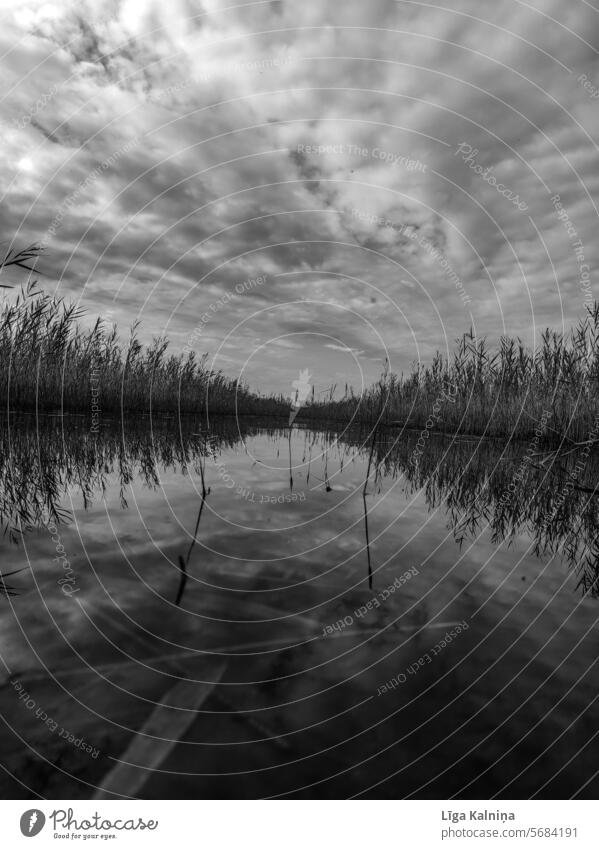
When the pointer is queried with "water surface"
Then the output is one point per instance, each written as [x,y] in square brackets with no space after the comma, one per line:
[314,576]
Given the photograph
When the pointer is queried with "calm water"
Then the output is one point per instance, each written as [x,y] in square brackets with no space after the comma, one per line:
[302,608]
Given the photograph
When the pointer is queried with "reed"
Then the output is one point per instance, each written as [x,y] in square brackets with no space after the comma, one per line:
[49,362]
[505,392]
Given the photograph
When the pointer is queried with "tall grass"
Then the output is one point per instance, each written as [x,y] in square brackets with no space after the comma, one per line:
[49,362]
[502,392]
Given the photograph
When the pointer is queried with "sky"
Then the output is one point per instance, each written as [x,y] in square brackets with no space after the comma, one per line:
[316,185]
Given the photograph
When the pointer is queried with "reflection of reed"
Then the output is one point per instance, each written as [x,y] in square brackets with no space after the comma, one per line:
[555,501]
[6,589]
[184,562]
[290,467]
[366,529]
[371,453]
[40,463]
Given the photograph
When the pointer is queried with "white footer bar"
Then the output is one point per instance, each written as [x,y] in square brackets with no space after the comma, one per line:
[301,824]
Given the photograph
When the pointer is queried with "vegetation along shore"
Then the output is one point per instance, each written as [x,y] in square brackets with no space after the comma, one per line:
[50,362]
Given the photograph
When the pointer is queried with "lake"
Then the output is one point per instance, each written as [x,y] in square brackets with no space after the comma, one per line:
[243,610]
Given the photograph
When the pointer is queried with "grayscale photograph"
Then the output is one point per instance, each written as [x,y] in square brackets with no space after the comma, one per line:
[299,410]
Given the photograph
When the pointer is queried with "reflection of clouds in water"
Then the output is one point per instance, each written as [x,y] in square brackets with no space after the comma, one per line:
[472,483]
[264,581]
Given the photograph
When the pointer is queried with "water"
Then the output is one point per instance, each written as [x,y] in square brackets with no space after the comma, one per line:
[321,613]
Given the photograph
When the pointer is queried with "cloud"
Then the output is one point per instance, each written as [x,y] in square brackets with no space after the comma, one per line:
[345,350]
[282,139]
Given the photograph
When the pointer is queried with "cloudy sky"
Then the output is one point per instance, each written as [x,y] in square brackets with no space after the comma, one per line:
[385,172]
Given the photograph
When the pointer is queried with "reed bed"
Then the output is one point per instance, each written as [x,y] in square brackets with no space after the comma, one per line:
[49,362]
[507,392]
